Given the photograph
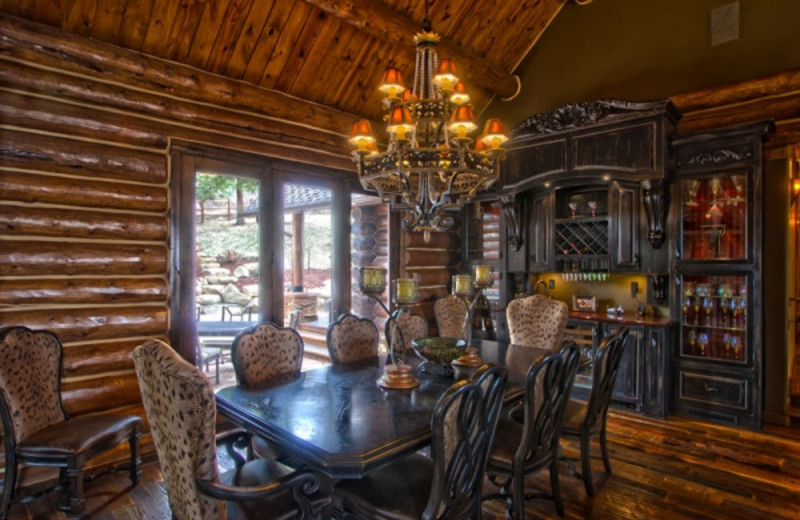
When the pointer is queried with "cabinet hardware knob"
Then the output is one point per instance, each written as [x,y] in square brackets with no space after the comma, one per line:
[710,389]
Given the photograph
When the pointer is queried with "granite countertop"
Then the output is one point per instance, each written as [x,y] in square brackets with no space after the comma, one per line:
[627,319]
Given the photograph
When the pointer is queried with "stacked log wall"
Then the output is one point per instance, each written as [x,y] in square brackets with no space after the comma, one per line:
[370,236]
[85,133]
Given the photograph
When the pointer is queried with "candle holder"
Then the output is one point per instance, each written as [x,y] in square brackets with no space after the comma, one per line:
[483,280]
[372,282]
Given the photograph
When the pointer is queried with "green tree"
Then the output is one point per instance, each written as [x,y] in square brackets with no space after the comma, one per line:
[210,187]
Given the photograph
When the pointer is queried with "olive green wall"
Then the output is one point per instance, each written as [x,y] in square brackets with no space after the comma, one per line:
[649,49]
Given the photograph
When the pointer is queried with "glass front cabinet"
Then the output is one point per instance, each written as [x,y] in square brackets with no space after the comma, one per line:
[716,205]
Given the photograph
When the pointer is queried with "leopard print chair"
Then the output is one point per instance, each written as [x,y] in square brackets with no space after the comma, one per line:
[180,406]
[39,432]
[411,327]
[538,321]
[351,338]
[266,352]
[452,317]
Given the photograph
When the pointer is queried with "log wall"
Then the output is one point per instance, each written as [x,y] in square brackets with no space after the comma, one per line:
[85,134]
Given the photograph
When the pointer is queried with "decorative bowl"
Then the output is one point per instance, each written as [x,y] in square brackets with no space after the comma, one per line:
[439,350]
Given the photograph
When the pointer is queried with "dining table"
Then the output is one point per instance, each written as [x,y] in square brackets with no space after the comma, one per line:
[337,420]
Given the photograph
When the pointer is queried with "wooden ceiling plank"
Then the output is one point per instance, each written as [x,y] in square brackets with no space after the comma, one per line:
[248,39]
[268,39]
[301,52]
[78,17]
[477,15]
[108,20]
[356,59]
[283,48]
[182,33]
[50,12]
[451,16]
[206,33]
[384,23]
[161,22]
[235,17]
[346,48]
[541,14]
[363,90]
[137,18]
[483,43]
[322,57]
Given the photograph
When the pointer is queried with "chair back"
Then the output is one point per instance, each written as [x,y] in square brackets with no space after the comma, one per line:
[547,388]
[410,327]
[266,352]
[30,381]
[452,317]
[463,426]
[351,338]
[604,377]
[537,321]
[180,407]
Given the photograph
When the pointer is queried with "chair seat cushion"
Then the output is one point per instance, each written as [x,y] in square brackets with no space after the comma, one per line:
[573,417]
[257,473]
[79,435]
[398,491]
[507,439]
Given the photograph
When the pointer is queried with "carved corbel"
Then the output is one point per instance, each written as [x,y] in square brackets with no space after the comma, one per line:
[654,197]
[511,216]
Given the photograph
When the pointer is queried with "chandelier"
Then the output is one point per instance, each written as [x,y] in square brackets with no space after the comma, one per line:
[431,166]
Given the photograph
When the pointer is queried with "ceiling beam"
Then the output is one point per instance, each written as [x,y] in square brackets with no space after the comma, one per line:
[382,22]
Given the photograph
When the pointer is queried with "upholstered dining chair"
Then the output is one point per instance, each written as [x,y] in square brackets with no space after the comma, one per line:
[452,317]
[37,429]
[522,450]
[448,484]
[266,352]
[587,419]
[538,321]
[411,327]
[179,402]
[351,338]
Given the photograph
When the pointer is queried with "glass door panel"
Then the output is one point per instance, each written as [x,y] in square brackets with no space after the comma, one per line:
[714,317]
[714,218]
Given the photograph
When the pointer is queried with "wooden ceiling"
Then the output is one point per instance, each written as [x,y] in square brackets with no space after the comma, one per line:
[331,52]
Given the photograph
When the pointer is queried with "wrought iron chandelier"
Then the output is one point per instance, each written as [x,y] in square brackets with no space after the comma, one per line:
[431,166]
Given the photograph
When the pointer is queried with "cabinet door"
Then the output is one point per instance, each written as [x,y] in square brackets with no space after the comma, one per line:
[628,388]
[624,233]
[540,233]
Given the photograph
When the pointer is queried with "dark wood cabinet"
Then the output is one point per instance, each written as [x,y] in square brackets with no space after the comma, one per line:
[629,388]
[624,227]
[716,299]
[540,232]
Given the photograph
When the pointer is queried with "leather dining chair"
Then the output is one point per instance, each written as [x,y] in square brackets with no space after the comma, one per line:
[180,405]
[538,321]
[37,429]
[351,338]
[452,317]
[448,484]
[522,450]
[587,419]
[266,353]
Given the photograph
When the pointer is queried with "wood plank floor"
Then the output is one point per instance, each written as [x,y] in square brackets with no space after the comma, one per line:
[672,470]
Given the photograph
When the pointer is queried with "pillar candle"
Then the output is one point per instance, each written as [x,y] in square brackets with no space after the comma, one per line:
[483,274]
[407,290]
[462,284]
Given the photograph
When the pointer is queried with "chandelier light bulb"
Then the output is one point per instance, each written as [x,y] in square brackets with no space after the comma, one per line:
[446,78]
[494,134]
[459,95]
[462,121]
[392,83]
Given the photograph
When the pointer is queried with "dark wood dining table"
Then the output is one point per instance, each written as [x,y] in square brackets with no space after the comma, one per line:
[337,420]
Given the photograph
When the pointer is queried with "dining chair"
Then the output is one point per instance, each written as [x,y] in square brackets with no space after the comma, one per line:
[208,356]
[266,352]
[446,485]
[37,429]
[180,406]
[452,317]
[522,450]
[537,320]
[351,338]
[587,419]
[411,327]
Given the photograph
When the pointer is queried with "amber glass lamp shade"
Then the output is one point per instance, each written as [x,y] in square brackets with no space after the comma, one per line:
[462,121]
[459,95]
[361,136]
[408,96]
[446,78]
[494,134]
[392,83]
[400,122]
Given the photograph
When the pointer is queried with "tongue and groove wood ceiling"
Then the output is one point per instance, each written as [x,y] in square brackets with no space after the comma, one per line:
[331,52]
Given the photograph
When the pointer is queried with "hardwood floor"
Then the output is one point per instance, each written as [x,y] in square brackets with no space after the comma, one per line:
[672,470]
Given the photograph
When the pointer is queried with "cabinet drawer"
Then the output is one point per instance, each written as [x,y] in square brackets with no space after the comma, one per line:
[726,391]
